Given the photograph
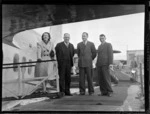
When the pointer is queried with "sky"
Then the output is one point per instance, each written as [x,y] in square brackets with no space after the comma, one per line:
[123,32]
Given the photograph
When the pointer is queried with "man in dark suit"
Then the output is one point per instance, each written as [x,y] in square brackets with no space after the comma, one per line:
[86,52]
[104,62]
[133,67]
[64,54]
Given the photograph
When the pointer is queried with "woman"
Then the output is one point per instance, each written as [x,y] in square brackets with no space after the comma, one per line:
[45,51]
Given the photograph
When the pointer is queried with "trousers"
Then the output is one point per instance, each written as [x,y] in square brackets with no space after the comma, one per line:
[82,72]
[104,79]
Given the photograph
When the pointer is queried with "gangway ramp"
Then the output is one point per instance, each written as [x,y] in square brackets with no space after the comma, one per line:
[84,103]
[35,82]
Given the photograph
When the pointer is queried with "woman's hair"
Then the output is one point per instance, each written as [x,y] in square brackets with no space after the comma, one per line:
[48,36]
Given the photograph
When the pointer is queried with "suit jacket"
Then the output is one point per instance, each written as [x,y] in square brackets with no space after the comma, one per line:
[133,64]
[105,54]
[61,53]
[86,54]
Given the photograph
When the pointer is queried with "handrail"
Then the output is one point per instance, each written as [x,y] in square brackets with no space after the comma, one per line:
[17,66]
[22,80]
[28,62]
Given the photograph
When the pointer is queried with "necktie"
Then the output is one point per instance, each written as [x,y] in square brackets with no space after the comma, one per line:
[67,45]
[84,45]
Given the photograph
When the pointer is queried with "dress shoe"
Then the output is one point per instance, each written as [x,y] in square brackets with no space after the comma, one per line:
[68,94]
[109,94]
[49,86]
[82,93]
[102,94]
[91,93]
[62,94]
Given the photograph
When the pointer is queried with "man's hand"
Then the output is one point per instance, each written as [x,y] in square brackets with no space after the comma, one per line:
[111,66]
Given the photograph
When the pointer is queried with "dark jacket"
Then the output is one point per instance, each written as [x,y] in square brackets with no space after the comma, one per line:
[133,64]
[86,54]
[62,53]
[105,54]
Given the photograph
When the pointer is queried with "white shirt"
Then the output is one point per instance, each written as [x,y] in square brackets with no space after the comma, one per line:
[103,43]
[67,44]
[85,42]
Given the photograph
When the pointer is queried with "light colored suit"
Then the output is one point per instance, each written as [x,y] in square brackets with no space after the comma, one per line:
[43,50]
[45,68]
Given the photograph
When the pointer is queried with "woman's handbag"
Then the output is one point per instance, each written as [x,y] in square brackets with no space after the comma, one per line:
[51,54]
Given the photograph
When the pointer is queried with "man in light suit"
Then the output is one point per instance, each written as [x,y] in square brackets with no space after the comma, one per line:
[64,54]
[86,52]
[104,62]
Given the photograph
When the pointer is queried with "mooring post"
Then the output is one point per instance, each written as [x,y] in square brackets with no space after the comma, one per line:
[141,77]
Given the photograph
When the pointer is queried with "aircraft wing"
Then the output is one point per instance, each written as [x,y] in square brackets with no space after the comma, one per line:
[8,41]
[16,18]
[114,51]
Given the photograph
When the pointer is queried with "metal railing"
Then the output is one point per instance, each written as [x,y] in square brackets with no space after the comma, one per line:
[21,63]
[27,62]
[141,80]
[22,80]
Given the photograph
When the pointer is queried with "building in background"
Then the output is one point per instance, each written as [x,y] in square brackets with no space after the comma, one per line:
[56,34]
[138,54]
